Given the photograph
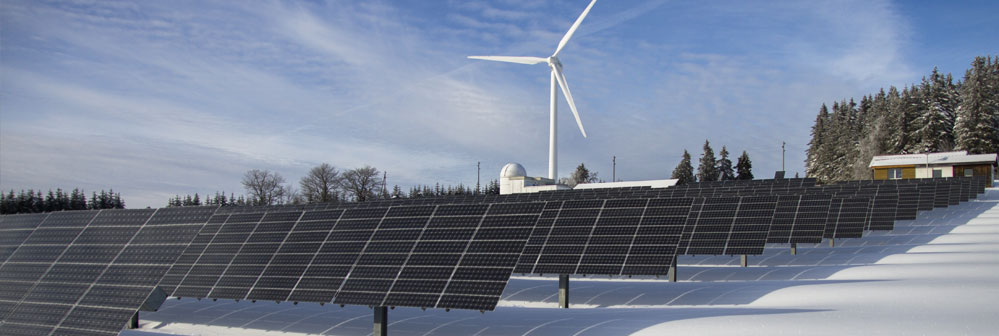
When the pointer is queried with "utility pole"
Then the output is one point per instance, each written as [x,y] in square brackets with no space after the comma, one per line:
[478,176]
[614,169]
[384,184]
[782,143]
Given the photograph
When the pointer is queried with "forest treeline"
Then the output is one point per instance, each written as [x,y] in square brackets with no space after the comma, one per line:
[710,168]
[324,183]
[936,115]
[32,201]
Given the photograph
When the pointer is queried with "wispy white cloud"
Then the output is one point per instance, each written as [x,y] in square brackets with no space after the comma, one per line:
[183,97]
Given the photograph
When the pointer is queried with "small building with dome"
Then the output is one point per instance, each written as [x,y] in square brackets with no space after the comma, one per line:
[514,180]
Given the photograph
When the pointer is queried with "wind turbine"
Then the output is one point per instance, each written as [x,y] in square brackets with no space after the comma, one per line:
[556,77]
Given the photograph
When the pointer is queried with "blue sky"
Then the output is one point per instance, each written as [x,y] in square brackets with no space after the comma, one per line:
[156,98]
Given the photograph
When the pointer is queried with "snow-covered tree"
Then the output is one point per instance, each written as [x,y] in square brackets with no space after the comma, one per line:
[725,170]
[684,171]
[706,170]
[935,120]
[744,167]
[977,126]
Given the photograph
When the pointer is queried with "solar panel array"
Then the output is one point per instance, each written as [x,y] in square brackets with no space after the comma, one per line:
[91,270]
[728,225]
[799,219]
[848,216]
[606,237]
[443,256]
[87,272]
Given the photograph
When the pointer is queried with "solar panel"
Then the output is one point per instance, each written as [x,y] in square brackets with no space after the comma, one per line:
[942,195]
[30,261]
[799,219]
[254,255]
[67,278]
[847,217]
[954,197]
[288,265]
[606,237]
[14,229]
[979,183]
[126,283]
[218,255]
[462,256]
[927,194]
[193,251]
[728,225]
[95,268]
[908,201]
[444,256]
[883,208]
[966,189]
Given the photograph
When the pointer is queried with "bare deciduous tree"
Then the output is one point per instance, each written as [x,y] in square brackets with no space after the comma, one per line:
[322,184]
[362,183]
[263,186]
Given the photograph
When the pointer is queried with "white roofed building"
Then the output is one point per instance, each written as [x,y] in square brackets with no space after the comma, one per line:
[514,180]
[930,165]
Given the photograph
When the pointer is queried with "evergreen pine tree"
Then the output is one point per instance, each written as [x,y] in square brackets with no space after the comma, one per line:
[61,200]
[706,170]
[50,202]
[935,117]
[816,157]
[684,171]
[725,169]
[904,110]
[744,167]
[581,175]
[3,204]
[977,124]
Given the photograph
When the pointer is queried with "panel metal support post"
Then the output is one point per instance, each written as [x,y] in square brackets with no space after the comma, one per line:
[671,274]
[133,323]
[381,321]
[794,248]
[744,260]
[563,291]
[832,242]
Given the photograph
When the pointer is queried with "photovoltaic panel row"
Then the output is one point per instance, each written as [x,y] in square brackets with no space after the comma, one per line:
[883,208]
[104,273]
[606,237]
[35,256]
[728,225]
[848,216]
[799,219]
[444,256]
[70,275]
[14,229]
[908,202]
[462,257]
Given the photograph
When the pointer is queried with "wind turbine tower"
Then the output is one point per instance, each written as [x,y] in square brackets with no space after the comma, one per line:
[557,79]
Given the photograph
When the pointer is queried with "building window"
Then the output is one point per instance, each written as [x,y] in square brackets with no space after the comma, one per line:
[894,173]
[968,172]
[937,173]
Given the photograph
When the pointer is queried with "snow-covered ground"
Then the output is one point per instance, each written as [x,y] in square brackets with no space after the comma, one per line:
[937,275]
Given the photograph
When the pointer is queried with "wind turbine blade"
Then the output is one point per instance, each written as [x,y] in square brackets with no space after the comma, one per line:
[572,30]
[512,59]
[568,97]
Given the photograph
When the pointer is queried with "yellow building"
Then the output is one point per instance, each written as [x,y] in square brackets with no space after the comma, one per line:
[948,164]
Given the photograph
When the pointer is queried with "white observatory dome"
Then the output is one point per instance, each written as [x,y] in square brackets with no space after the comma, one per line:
[513,169]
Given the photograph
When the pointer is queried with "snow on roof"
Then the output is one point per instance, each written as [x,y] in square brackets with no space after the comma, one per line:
[945,158]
